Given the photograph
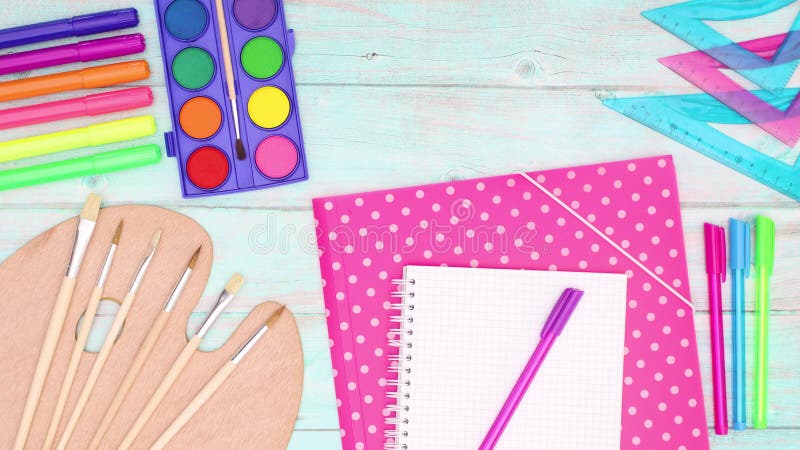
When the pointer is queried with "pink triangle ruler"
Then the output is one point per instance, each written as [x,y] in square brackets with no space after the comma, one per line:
[704,72]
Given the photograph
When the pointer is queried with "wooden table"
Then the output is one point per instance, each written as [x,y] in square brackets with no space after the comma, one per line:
[405,92]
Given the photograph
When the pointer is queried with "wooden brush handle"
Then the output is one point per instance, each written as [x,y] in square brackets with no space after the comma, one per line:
[161,391]
[72,367]
[226,50]
[202,397]
[133,372]
[57,319]
[97,368]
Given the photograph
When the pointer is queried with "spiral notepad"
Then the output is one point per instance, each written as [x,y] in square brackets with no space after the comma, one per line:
[465,336]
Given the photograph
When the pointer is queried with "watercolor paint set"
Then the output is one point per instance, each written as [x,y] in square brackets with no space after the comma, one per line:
[201,69]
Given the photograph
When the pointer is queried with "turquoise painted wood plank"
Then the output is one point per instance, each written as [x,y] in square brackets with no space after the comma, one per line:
[315,440]
[384,85]
[276,275]
[442,133]
[276,250]
[777,439]
[448,122]
[498,43]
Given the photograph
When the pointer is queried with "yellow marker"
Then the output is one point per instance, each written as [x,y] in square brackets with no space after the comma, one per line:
[91,136]
[269,107]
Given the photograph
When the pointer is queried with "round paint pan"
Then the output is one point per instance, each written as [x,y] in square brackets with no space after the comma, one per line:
[255,14]
[186,20]
[193,68]
[200,118]
[277,157]
[262,58]
[269,107]
[207,168]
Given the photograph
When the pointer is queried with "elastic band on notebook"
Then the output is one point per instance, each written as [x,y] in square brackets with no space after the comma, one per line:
[606,238]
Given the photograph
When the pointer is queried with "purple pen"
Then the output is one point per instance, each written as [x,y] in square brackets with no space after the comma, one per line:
[86,51]
[552,328]
[76,26]
[716,268]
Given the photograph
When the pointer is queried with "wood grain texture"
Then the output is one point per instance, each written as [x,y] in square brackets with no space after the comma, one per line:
[396,93]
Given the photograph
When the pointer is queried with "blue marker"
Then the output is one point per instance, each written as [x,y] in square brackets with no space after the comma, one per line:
[739,261]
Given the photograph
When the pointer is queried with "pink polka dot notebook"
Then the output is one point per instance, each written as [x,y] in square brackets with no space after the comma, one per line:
[619,217]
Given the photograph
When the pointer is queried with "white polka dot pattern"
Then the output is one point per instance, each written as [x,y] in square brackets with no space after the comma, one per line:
[505,222]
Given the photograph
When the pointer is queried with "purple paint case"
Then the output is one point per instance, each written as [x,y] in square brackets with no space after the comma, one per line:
[203,139]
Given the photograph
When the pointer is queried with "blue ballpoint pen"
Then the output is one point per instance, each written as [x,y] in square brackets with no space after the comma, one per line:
[739,262]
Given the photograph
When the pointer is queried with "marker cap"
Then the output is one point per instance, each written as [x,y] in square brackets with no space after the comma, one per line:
[125,159]
[765,243]
[105,21]
[112,74]
[562,311]
[114,101]
[740,246]
[715,250]
[97,49]
[121,130]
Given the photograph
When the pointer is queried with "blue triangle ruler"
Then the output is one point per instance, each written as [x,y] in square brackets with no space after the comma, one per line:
[686,118]
[685,20]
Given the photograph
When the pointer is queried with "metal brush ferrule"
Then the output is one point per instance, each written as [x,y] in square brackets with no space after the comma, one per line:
[236,121]
[137,281]
[82,238]
[224,300]
[242,352]
[107,265]
[177,291]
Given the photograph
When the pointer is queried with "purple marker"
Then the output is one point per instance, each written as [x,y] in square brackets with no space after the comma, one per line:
[76,26]
[64,54]
[552,328]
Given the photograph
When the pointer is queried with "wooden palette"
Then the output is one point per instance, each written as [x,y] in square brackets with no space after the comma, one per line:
[256,408]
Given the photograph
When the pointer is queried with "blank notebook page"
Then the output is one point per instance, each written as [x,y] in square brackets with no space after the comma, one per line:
[473,331]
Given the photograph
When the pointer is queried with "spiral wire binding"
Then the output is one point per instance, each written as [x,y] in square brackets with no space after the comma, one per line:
[400,338]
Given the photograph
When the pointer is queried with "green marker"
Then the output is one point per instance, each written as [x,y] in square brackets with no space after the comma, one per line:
[128,158]
[763,262]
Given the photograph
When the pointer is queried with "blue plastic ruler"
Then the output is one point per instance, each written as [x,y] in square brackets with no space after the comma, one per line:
[686,118]
[686,21]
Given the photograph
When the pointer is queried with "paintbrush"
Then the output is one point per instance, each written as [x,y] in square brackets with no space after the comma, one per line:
[241,154]
[86,225]
[181,361]
[83,336]
[111,337]
[215,383]
[144,352]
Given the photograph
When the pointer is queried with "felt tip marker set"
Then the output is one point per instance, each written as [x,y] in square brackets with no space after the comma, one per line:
[738,259]
[232,94]
[87,106]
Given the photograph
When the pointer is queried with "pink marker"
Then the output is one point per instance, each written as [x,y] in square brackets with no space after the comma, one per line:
[92,105]
[552,328]
[716,268]
[86,51]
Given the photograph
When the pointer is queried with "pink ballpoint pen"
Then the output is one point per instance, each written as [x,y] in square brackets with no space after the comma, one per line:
[716,266]
[550,331]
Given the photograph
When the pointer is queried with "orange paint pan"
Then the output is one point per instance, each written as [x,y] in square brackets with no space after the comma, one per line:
[93,77]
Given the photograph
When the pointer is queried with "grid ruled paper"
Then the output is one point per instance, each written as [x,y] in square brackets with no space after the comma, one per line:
[473,332]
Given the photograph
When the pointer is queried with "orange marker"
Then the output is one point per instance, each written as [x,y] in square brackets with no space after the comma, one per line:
[93,77]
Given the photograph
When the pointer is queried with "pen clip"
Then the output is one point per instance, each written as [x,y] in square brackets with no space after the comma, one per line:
[748,250]
[722,255]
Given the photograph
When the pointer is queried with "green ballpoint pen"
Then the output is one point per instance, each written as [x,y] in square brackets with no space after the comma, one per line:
[763,261]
